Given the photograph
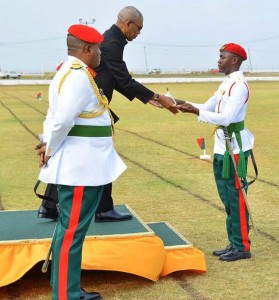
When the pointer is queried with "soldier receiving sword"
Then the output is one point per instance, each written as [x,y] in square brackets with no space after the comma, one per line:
[233,145]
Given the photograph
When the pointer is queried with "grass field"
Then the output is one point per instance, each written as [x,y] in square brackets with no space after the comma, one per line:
[165,181]
[49,75]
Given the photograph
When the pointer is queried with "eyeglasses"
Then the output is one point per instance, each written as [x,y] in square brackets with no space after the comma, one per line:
[138,26]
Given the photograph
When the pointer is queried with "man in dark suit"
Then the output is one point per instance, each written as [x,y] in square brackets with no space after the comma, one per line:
[112,74]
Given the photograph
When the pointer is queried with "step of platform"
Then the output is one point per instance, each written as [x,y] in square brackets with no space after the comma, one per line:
[148,250]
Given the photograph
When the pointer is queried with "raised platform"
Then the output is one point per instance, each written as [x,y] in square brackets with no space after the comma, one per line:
[149,250]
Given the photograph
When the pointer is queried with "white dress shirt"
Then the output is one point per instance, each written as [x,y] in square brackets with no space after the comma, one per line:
[228,105]
[77,161]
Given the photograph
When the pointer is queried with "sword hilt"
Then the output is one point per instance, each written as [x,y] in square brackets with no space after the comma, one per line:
[45,266]
[226,133]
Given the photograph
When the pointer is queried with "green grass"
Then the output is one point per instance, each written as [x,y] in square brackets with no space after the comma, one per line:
[203,74]
[195,74]
[165,181]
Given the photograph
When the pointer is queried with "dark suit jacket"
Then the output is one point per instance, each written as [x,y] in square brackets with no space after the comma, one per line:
[112,73]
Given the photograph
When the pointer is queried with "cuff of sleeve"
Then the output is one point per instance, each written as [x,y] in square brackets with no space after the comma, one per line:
[201,117]
[48,151]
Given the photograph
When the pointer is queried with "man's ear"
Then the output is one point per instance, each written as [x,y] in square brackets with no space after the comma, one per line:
[87,49]
[235,60]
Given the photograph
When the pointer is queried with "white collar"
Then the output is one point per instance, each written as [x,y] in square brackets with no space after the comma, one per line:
[235,74]
[72,58]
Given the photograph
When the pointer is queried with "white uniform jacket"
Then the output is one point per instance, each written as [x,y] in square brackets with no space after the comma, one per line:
[228,105]
[75,160]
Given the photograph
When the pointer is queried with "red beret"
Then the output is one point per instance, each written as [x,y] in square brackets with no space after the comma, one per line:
[86,33]
[234,48]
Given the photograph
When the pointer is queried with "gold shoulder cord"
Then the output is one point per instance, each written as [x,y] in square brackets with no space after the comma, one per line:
[63,80]
[103,101]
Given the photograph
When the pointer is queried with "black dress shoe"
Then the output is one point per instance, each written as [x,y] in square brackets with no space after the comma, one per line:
[222,251]
[89,296]
[235,254]
[112,216]
[48,213]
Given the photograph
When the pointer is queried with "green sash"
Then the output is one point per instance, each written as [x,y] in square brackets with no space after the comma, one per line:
[90,131]
[241,167]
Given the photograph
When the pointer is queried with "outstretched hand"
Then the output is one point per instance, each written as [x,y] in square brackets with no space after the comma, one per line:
[186,107]
[155,103]
[168,103]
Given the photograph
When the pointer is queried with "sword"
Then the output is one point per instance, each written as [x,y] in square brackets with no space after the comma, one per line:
[227,138]
[46,262]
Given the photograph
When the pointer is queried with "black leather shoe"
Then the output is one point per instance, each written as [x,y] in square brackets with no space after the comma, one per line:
[89,296]
[234,255]
[222,251]
[112,216]
[48,213]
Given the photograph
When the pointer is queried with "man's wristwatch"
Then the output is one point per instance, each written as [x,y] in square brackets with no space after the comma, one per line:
[156,98]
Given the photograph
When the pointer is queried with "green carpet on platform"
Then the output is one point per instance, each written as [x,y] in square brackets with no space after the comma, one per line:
[170,237]
[24,225]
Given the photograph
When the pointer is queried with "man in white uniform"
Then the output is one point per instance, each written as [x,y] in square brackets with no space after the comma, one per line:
[228,108]
[79,156]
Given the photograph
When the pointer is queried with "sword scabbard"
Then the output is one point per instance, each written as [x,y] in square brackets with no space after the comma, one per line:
[228,143]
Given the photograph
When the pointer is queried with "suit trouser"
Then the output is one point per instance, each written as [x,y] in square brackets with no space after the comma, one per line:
[106,202]
[237,221]
[77,207]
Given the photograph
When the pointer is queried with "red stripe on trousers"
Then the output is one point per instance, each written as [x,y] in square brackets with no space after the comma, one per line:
[67,242]
[242,213]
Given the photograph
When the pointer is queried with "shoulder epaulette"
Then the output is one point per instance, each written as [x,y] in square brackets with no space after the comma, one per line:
[76,65]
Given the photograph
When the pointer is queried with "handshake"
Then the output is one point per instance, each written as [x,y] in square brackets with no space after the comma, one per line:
[173,105]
